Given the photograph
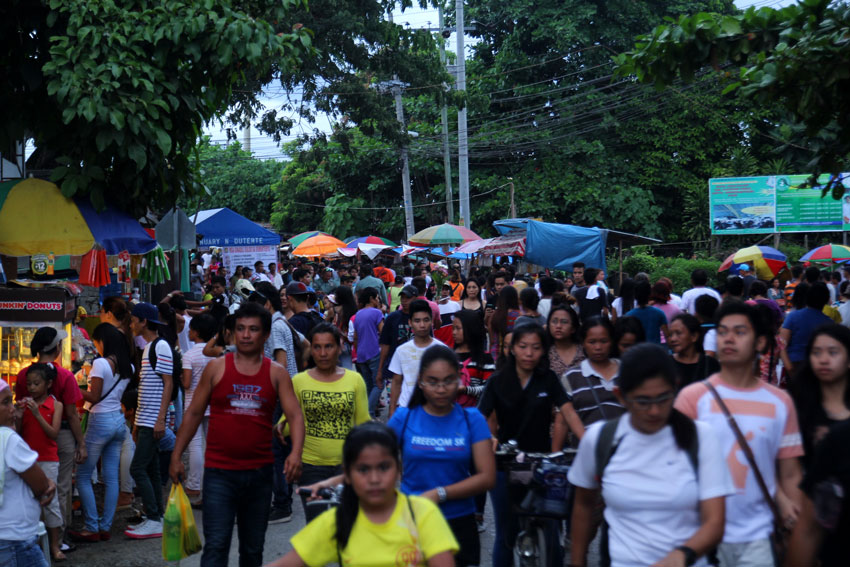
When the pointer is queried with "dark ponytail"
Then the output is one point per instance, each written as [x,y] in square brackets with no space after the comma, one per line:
[649,360]
[360,437]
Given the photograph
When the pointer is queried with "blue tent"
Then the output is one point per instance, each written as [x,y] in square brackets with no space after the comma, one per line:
[223,227]
[559,246]
[115,230]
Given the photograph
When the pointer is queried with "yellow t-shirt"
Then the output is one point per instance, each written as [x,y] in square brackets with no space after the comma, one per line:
[400,542]
[330,410]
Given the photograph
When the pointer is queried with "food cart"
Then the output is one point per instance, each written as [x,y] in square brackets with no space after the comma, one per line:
[22,312]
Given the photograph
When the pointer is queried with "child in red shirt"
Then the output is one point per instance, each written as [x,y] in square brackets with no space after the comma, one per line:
[39,426]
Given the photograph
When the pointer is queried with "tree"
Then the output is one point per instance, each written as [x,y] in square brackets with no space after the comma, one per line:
[234,179]
[797,57]
[116,93]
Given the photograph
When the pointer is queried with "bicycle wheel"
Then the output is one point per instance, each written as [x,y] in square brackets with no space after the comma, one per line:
[530,548]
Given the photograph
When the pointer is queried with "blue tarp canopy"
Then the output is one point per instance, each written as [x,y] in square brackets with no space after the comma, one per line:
[223,227]
[559,246]
[115,230]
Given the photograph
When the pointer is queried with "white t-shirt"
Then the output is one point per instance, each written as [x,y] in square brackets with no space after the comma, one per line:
[544,307]
[709,342]
[100,368]
[617,306]
[20,511]
[183,336]
[150,384]
[689,298]
[405,362]
[195,360]
[651,492]
[207,258]
[768,420]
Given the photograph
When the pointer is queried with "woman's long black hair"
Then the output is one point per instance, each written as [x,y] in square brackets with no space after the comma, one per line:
[345,299]
[360,437]
[430,356]
[473,334]
[118,307]
[168,331]
[115,345]
[649,360]
[627,295]
[805,388]
[508,300]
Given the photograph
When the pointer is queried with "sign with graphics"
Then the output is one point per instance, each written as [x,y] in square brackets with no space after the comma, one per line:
[776,203]
[245,256]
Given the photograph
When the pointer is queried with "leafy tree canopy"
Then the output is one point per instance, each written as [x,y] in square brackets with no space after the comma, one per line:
[797,57]
[116,93]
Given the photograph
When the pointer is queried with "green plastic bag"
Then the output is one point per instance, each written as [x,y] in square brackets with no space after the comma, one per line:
[172,532]
[188,528]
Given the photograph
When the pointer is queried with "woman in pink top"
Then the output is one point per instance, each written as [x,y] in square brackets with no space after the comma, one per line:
[660,298]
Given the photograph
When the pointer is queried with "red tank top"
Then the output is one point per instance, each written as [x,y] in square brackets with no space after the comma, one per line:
[36,437]
[240,426]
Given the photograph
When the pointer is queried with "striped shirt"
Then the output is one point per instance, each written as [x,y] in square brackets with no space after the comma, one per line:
[150,383]
[593,396]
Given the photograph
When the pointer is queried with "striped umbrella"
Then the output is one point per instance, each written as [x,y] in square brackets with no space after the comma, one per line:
[443,234]
[319,245]
[296,240]
[380,240]
[828,253]
[765,261]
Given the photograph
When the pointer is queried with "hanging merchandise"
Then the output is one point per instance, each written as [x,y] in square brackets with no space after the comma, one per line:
[94,270]
[154,268]
[124,267]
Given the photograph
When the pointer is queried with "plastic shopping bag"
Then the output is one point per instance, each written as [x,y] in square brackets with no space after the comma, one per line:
[188,528]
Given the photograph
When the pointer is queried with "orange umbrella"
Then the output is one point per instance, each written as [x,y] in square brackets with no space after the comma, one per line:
[319,245]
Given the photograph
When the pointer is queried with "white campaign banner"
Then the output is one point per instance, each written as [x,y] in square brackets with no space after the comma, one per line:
[246,256]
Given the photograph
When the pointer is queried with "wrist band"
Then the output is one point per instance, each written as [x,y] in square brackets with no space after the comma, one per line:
[441,493]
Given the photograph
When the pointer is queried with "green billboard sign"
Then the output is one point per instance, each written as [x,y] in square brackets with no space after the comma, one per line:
[776,203]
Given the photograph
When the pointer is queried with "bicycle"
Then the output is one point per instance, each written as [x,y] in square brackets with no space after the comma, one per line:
[544,477]
[328,498]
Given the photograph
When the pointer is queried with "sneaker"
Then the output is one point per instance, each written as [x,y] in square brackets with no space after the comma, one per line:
[146,530]
[280,516]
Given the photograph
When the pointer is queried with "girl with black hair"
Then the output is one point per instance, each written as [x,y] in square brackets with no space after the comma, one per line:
[432,422]
[686,342]
[106,430]
[563,327]
[375,524]
[470,299]
[626,300]
[519,402]
[476,363]
[628,331]
[820,389]
[591,385]
[662,476]
[344,310]
[504,318]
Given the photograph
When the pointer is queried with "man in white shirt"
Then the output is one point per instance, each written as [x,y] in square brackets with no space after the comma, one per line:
[404,365]
[275,276]
[699,278]
[260,274]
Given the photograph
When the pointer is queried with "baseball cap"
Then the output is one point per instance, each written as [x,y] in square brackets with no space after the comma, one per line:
[147,312]
[744,267]
[297,288]
[410,291]
[46,339]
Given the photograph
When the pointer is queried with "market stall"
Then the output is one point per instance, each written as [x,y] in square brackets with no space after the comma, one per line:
[242,241]
[22,312]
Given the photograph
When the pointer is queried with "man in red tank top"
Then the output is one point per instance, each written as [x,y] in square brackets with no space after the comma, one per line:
[241,390]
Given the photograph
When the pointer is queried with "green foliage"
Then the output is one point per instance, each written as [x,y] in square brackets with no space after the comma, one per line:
[797,57]
[234,179]
[677,269]
[117,92]
[640,262]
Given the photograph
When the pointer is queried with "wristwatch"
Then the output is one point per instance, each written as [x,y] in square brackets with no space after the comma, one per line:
[690,554]
[441,494]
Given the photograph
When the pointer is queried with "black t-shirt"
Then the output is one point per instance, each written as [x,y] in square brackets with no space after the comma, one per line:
[590,307]
[524,414]
[396,331]
[702,369]
[305,321]
[831,469]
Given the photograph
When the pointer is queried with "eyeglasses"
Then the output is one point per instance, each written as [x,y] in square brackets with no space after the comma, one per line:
[437,384]
[644,403]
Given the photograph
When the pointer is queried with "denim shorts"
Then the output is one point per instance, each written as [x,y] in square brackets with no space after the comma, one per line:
[25,553]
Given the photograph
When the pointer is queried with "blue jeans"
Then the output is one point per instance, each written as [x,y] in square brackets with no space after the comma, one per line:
[26,553]
[145,471]
[104,438]
[242,495]
[369,371]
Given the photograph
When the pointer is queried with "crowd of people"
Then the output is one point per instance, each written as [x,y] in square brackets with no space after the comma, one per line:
[705,424]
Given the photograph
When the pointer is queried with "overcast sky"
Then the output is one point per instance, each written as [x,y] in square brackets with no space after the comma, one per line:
[265,148]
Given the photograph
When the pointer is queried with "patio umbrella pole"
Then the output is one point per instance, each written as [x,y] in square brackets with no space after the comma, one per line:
[178,264]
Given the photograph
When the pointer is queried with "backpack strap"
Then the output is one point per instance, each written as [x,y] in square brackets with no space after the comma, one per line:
[605,446]
[152,353]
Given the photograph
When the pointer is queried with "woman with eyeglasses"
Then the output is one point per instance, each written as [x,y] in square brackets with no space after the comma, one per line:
[439,440]
[662,476]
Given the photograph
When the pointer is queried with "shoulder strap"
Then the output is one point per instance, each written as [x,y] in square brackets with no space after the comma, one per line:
[748,453]
[605,446]
[114,384]
[595,397]
[152,353]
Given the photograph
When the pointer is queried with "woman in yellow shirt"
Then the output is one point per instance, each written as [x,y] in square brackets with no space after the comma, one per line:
[333,400]
[375,525]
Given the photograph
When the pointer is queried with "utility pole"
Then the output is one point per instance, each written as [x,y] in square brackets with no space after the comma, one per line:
[405,167]
[444,114]
[246,137]
[462,144]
